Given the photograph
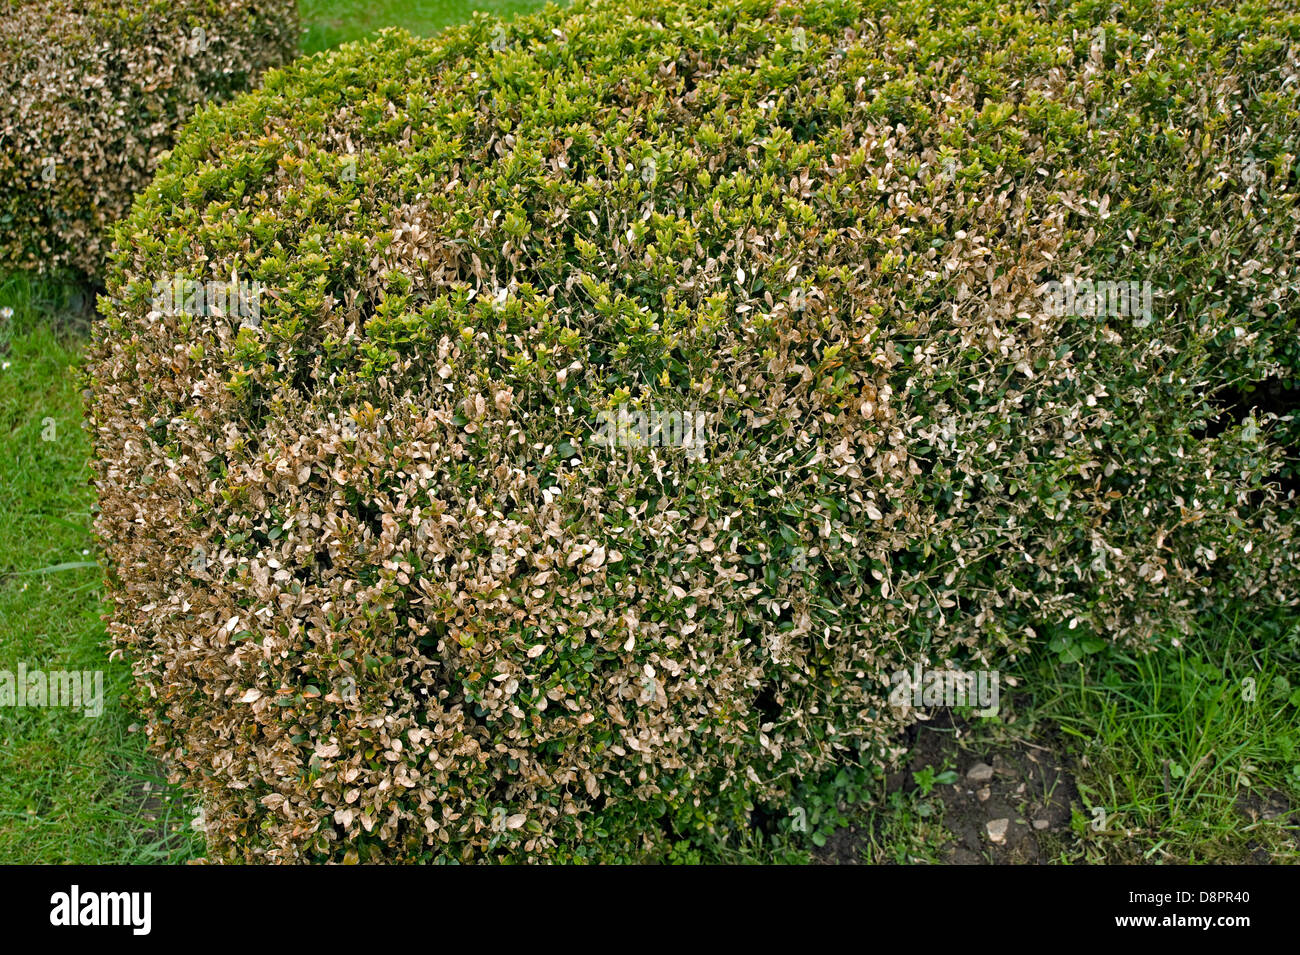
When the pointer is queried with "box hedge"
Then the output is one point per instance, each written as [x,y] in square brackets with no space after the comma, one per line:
[92,92]
[391,594]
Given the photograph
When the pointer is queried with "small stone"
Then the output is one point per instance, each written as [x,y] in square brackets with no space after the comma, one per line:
[997,830]
[980,773]
[983,793]
[1041,823]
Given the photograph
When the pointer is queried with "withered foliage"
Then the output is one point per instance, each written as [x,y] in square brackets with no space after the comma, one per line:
[387,599]
[92,92]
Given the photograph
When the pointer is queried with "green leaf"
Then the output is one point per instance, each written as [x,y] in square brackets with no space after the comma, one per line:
[54,568]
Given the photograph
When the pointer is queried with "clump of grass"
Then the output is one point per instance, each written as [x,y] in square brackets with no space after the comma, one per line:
[1187,754]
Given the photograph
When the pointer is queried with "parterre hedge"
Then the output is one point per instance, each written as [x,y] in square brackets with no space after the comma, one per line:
[92,91]
[389,592]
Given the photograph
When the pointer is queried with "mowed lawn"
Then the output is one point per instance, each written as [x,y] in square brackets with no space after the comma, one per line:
[327,23]
[73,788]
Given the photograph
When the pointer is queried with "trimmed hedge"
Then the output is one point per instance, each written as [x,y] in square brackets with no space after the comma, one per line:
[92,92]
[390,597]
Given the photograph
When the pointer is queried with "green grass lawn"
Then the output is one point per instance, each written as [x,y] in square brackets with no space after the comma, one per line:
[327,23]
[72,788]
[1186,761]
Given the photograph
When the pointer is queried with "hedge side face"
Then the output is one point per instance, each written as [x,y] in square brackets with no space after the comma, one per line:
[92,93]
[406,571]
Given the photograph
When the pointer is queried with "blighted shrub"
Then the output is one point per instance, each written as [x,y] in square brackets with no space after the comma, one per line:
[92,92]
[637,388]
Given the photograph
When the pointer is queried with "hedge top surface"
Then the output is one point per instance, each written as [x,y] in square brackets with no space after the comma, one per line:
[389,594]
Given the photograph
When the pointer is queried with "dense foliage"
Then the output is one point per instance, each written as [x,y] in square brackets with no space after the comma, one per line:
[92,92]
[391,594]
